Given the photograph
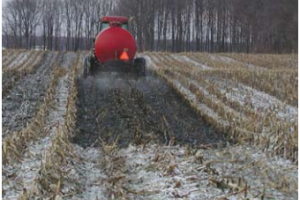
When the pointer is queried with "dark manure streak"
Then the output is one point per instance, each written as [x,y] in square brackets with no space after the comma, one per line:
[137,111]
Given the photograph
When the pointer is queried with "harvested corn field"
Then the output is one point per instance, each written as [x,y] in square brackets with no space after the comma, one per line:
[197,126]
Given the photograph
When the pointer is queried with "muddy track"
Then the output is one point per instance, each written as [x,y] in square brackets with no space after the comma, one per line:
[20,105]
[113,108]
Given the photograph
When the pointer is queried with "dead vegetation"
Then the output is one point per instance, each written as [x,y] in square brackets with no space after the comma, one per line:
[146,143]
[268,61]
[279,79]
[271,125]
[15,144]
[11,55]
[23,100]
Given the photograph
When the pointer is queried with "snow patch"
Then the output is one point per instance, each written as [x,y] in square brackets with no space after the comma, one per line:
[230,61]
[191,61]
[200,106]
[87,173]
[150,63]
[260,101]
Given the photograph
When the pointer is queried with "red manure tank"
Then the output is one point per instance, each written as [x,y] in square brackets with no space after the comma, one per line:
[115,49]
[112,42]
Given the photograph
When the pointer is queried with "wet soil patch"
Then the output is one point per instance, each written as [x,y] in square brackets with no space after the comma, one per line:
[128,110]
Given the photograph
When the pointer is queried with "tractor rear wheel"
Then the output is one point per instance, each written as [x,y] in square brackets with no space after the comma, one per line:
[140,66]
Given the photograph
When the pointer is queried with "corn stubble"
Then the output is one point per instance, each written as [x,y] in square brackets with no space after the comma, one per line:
[12,75]
[258,163]
[244,123]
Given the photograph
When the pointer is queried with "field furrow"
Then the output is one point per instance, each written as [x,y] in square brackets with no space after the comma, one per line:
[267,61]
[11,57]
[10,77]
[22,101]
[19,60]
[26,171]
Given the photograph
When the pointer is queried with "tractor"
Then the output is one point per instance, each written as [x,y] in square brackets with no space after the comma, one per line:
[115,49]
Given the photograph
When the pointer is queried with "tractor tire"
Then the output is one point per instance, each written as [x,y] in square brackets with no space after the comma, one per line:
[140,66]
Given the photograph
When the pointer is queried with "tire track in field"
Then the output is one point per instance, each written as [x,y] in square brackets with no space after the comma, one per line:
[137,111]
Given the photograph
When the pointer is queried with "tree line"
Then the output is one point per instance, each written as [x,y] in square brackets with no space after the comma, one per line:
[256,26]
[53,24]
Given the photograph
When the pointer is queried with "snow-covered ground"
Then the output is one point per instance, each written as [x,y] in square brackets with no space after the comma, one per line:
[168,172]
[259,101]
